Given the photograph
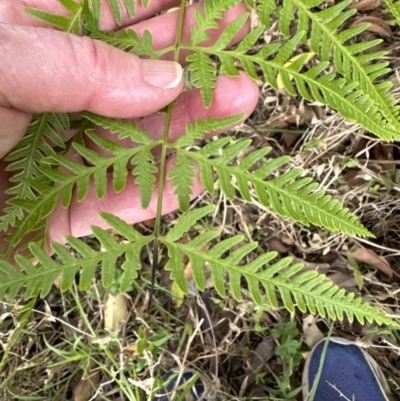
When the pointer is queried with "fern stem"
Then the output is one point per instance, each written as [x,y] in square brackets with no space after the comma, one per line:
[164,146]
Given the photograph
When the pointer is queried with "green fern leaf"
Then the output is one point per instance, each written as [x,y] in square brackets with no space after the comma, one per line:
[309,291]
[204,75]
[195,132]
[344,97]
[24,160]
[186,222]
[79,177]
[70,24]
[182,176]
[130,7]
[145,171]
[128,40]
[124,129]
[288,195]
[39,278]
[116,11]
[213,10]
[230,32]
[265,9]
[351,61]
[394,7]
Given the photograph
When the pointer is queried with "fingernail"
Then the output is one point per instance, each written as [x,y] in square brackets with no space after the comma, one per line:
[163,74]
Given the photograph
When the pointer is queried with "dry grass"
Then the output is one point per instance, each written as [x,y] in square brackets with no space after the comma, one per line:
[65,337]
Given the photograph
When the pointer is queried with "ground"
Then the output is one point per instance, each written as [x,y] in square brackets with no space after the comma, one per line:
[65,352]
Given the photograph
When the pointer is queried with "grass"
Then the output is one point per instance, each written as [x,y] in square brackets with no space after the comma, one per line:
[62,351]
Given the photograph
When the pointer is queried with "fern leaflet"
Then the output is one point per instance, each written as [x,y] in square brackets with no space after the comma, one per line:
[39,278]
[309,291]
[24,161]
[288,195]
[71,24]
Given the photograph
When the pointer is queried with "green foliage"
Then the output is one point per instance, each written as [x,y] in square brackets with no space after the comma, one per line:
[289,350]
[127,40]
[394,7]
[24,165]
[344,77]
[68,24]
[287,194]
[351,90]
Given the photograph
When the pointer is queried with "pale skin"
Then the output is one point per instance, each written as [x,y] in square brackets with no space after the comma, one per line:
[43,69]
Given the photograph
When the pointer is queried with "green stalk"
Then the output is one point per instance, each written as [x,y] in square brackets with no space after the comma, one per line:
[164,147]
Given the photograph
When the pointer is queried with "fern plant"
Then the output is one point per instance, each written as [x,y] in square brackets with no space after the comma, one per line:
[343,79]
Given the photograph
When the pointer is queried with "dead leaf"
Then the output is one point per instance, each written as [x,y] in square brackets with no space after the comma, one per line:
[115,311]
[321,268]
[365,5]
[275,244]
[263,353]
[149,223]
[371,258]
[132,350]
[312,334]
[289,139]
[86,387]
[342,280]
[378,25]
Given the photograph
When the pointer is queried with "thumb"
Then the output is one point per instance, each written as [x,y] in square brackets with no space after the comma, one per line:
[46,70]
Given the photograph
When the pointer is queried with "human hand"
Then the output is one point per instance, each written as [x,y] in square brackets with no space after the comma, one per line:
[47,70]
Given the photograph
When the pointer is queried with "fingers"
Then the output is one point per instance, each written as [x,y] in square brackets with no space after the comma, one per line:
[163,28]
[141,13]
[13,126]
[77,219]
[47,70]
[13,12]
[231,96]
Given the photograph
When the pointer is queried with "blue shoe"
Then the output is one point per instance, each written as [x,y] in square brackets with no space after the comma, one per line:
[348,373]
[178,390]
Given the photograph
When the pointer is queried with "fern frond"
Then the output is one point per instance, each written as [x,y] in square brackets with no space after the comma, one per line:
[213,10]
[196,131]
[139,156]
[204,75]
[350,60]
[265,9]
[287,194]
[39,278]
[394,7]
[35,213]
[144,170]
[124,129]
[182,176]
[128,40]
[68,24]
[309,291]
[116,9]
[24,160]
[314,85]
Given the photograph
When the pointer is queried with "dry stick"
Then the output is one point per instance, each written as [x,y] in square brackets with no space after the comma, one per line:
[210,324]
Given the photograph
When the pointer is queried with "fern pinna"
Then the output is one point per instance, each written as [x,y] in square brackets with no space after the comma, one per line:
[343,79]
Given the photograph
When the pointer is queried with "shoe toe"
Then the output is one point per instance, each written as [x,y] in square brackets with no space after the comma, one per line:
[177,386]
[346,373]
